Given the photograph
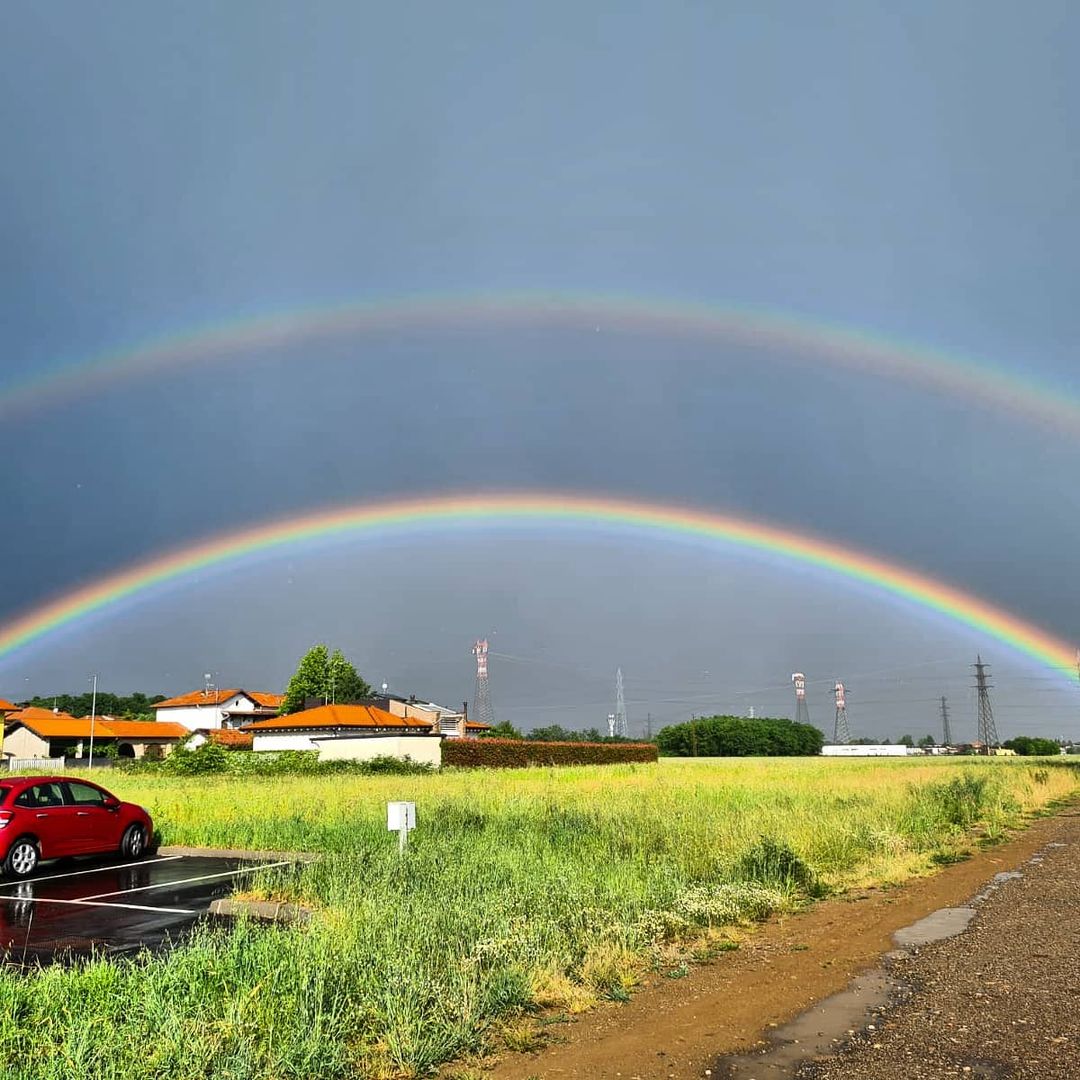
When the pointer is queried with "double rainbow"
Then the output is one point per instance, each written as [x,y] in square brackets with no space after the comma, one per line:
[247,339]
[542,510]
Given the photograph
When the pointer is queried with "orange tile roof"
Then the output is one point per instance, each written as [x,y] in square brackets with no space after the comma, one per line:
[231,738]
[197,697]
[50,725]
[332,716]
[477,725]
[33,712]
[142,729]
[268,701]
[6,706]
[218,697]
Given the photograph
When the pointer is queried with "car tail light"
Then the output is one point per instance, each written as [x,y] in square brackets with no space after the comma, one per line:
[5,817]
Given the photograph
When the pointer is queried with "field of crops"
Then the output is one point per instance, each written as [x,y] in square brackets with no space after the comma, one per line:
[549,887]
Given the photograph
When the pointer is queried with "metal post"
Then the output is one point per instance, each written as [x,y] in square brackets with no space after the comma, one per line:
[93,715]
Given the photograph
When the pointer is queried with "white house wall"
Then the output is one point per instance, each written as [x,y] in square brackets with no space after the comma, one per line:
[206,716]
[23,743]
[424,749]
[277,741]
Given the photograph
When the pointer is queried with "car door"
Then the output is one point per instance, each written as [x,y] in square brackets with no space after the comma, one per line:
[50,818]
[95,828]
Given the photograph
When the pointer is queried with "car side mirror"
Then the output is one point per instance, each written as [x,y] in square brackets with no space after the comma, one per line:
[112,803]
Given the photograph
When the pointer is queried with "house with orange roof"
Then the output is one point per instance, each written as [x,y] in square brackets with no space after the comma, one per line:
[41,733]
[210,709]
[7,707]
[349,732]
[452,723]
[227,738]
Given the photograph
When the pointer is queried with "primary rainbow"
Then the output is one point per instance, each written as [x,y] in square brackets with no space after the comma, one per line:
[250,337]
[543,509]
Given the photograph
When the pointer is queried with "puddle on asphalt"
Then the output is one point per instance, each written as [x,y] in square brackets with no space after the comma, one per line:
[821,1030]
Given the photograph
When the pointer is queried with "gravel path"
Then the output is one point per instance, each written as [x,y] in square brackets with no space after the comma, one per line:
[1001,1000]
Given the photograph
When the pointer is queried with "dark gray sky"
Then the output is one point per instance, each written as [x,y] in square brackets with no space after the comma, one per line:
[911,171]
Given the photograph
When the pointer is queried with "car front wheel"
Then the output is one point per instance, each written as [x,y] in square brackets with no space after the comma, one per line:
[133,845]
[22,858]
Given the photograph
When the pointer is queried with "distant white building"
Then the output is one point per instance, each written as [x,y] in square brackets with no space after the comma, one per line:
[212,709]
[872,750]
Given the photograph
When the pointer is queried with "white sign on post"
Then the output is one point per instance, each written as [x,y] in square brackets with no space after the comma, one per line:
[400,818]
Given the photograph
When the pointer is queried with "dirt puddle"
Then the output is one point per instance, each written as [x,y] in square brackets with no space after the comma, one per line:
[807,981]
[820,1030]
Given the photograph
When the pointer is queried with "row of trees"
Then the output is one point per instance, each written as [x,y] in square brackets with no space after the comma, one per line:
[555,733]
[737,736]
[135,706]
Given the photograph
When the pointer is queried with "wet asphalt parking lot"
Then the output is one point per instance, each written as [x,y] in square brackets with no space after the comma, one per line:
[103,906]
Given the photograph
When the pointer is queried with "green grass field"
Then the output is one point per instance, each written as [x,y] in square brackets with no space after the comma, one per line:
[540,887]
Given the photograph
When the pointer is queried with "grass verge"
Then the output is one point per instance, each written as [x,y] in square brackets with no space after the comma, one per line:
[548,888]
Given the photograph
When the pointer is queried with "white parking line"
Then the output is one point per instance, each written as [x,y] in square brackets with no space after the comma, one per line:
[92,870]
[84,903]
[186,881]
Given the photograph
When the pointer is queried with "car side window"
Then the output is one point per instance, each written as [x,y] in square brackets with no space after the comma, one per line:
[84,794]
[41,795]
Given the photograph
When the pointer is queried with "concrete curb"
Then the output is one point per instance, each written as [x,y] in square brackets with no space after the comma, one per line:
[266,910]
[240,853]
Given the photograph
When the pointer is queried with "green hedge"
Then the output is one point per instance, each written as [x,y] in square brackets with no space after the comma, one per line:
[516,753]
[211,758]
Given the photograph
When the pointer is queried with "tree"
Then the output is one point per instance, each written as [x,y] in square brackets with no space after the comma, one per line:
[345,682]
[926,741]
[906,740]
[737,736]
[326,676]
[553,733]
[505,730]
[1029,746]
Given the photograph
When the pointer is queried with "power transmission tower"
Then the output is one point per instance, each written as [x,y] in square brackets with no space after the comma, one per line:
[618,724]
[648,727]
[841,732]
[987,729]
[802,710]
[946,733]
[482,698]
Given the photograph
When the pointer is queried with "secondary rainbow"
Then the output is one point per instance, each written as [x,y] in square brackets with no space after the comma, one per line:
[252,338]
[542,509]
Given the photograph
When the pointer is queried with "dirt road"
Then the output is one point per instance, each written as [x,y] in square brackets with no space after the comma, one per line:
[1001,1000]
[678,1029]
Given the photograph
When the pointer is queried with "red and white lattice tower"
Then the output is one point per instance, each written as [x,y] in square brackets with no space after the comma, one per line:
[482,699]
[802,710]
[841,733]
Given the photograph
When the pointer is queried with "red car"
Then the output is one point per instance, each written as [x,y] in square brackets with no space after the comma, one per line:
[49,817]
